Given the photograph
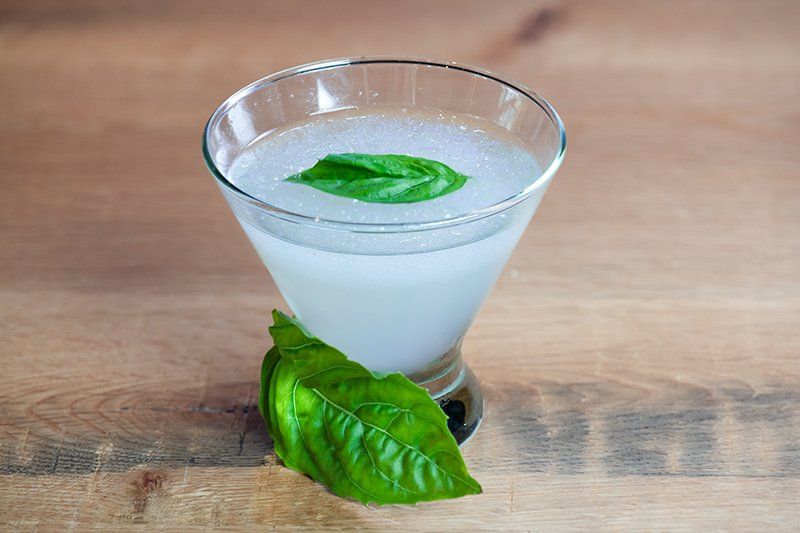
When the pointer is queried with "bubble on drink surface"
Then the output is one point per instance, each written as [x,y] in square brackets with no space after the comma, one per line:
[498,165]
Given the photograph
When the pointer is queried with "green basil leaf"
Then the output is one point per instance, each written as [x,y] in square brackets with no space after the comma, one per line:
[388,178]
[373,438]
[267,369]
[315,362]
[288,395]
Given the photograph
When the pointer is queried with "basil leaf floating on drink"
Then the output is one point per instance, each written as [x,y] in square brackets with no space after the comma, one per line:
[372,438]
[388,179]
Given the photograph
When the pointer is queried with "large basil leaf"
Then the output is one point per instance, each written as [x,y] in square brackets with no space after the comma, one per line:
[373,438]
[386,178]
[271,360]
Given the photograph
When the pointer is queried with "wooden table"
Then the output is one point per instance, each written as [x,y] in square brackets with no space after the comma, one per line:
[640,355]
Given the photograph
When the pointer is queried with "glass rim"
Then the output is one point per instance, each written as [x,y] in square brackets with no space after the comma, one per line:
[388,227]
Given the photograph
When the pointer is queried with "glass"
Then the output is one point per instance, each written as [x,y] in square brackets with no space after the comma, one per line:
[332,273]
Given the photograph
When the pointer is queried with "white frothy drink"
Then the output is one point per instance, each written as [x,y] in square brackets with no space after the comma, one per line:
[397,310]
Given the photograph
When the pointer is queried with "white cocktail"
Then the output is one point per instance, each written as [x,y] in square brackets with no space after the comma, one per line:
[393,286]
[397,311]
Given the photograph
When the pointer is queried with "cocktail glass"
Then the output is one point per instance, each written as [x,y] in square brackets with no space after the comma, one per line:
[393,296]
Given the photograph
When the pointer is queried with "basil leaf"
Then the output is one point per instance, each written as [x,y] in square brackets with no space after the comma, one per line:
[374,439]
[386,178]
[315,362]
[271,360]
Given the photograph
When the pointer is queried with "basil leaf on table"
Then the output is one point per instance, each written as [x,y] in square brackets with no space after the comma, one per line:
[386,178]
[267,371]
[372,438]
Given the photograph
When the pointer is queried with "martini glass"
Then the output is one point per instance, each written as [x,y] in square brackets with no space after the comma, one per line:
[394,296]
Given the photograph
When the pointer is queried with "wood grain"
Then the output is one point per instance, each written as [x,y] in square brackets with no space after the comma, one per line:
[640,355]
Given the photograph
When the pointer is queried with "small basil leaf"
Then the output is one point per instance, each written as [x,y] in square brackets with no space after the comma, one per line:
[372,438]
[388,178]
[314,361]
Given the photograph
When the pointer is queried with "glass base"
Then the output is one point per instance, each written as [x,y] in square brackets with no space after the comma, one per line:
[451,383]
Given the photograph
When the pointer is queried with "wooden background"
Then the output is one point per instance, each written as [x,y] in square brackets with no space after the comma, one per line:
[640,355]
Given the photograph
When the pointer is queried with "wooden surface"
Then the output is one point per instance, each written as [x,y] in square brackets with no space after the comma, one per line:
[640,355]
